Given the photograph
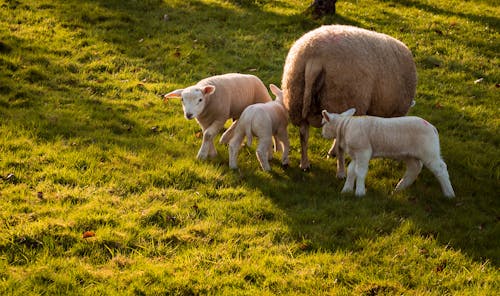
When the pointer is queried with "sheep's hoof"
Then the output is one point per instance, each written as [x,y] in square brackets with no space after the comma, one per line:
[341,175]
[306,169]
[285,166]
[346,191]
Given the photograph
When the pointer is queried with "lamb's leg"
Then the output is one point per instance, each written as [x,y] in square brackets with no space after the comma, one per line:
[331,152]
[207,147]
[361,171]
[277,146]
[439,169]
[413,168]
[282,138]
[351,177]
[262,152]
[340,165]
[340,160]
[304,137]
[272,148]
[234,148]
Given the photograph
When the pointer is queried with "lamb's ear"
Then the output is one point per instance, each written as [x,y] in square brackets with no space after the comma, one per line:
[174,94]
[208,90]
[326,116]
[274,89]
[349,112]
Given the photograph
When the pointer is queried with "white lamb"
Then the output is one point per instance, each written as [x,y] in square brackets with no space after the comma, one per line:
[213,100]
[264,121]
[410,139]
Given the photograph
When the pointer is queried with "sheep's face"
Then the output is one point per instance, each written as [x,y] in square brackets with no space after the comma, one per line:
[328,130]
[193,103]
[329,122]
[194,100]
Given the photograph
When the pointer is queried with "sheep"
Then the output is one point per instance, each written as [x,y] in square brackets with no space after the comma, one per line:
[337,67]
[264,121]
[213,100]
[410,139]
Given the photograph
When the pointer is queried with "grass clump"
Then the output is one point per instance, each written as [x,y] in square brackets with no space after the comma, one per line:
[100,191]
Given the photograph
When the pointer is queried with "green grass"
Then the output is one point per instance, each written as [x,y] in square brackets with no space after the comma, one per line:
[86,144]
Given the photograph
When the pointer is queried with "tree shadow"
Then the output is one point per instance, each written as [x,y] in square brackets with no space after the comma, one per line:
[493,22]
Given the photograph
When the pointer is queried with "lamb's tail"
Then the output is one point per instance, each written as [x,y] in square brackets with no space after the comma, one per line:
[228,134]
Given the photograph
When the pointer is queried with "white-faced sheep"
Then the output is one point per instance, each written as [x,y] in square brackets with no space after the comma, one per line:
[410,139]
[213,100]
[338,67]
[265,121]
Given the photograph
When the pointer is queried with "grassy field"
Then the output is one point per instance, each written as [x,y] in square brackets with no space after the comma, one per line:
[100,191]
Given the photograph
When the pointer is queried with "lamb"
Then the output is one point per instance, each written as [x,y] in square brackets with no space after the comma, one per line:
[410,139]
[264,121]
[337,67]
[213,100]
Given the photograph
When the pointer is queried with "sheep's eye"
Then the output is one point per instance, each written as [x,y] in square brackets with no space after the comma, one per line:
[199,101]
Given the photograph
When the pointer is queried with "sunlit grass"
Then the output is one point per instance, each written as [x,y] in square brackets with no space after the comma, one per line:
[101,192]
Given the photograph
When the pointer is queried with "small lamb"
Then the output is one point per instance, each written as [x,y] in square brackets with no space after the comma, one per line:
[410,139]
[264,121]
[213,100]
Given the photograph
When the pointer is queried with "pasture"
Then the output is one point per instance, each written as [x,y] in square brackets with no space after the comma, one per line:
[101,192]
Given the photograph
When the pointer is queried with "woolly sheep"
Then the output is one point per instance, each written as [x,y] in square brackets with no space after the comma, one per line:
[213,100]
[263,120]
[410,139]
[337,67]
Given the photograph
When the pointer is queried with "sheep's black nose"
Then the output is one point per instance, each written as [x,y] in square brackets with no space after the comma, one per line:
[189,115]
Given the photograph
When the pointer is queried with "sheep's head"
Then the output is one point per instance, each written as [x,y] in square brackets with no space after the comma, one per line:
[329,122]
[194,99]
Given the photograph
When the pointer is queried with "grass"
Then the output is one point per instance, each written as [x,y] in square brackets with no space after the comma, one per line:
[87,147]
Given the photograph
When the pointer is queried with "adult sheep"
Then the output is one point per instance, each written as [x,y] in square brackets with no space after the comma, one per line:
[339,67]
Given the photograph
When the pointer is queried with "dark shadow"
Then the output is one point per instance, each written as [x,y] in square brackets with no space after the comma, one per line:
[493,22]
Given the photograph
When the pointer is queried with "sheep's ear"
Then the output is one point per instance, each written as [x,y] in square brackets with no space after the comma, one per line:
[274,89]
[326,116]
[174,94]
[208,90]
[349,112]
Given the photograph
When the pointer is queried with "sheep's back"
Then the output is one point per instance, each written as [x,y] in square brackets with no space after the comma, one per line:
[237,91]
[372,72]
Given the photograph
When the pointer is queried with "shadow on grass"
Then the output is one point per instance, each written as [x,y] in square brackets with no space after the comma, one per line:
[494,22]
[319,215]
[145,31]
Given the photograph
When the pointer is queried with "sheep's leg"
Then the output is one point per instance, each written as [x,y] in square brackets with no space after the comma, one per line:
[282,138]
[331,152]
[361,171]
[234,148]
[262,152]
[207,147]
[340,160]
[351,177]
[272,148]
[413,168]
[304,137]
[439,169]
[277,145]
